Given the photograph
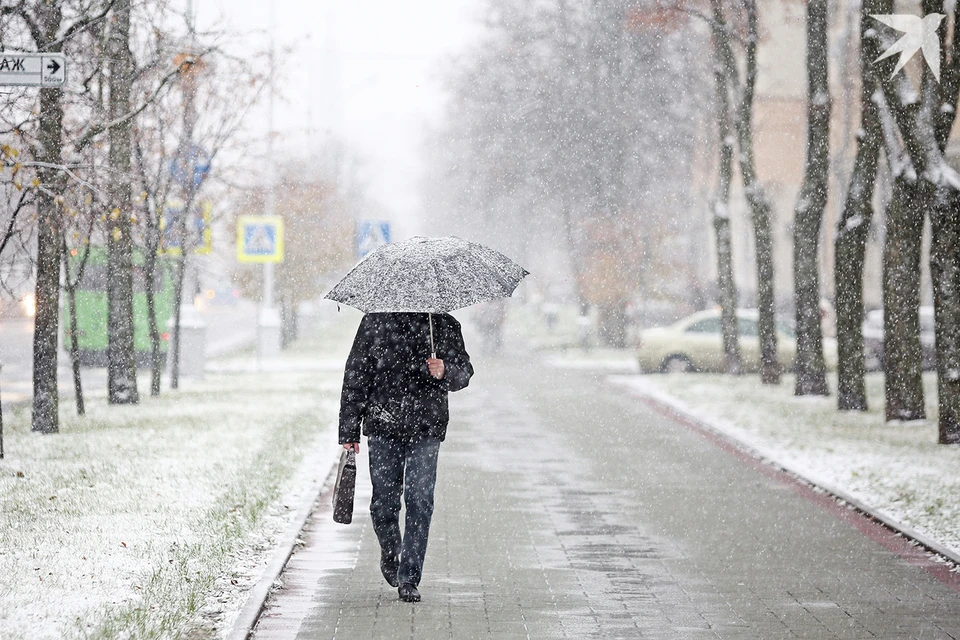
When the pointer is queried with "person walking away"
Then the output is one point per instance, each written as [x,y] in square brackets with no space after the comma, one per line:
[395,390]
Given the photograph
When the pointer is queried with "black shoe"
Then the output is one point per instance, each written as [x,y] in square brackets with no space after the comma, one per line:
[409,593]
[389,565]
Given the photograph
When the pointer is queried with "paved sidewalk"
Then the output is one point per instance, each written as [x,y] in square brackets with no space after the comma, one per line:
[566,509]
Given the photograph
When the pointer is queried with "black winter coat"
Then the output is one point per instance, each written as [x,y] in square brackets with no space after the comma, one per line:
[387,385]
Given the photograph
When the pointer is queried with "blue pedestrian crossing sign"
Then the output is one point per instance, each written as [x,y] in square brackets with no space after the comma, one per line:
[199,234]
[370,235]
[260,239]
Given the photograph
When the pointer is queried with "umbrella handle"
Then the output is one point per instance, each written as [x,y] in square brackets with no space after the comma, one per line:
[433,349]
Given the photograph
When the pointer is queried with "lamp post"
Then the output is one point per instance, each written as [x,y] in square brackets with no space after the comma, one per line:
[269,323]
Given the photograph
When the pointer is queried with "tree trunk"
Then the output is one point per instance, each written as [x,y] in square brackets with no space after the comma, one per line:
[770,369]
[49,237]
[726,285]
[902,353]
[121,356]
[811,376]
[71,290]
[179,275]
[151,249]
[924,125]
[576,257]
[851,240]
[153,326]
[288,321]
[727,293]
[945,269]
[945,265]
[612,323]
[945,248]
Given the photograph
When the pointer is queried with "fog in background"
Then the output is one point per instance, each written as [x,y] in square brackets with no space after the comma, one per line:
[367,73]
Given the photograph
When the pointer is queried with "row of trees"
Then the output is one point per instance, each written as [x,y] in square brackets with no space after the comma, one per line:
[904,132]
[572,123]
[97,161]
[581,116]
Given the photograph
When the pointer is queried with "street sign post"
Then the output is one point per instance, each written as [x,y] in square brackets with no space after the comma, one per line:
[48,70]
[260,239]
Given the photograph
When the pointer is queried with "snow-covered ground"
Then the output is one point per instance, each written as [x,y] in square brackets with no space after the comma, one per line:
[154,520]
[897,469]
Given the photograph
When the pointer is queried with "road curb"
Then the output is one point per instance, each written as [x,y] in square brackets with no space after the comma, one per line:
[252,609]
[931,545]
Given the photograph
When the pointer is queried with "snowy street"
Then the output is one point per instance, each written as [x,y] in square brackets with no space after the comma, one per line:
[594,319]
[567,508]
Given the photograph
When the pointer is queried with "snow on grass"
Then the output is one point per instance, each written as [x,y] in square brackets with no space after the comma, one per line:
[896,468]
[152,521]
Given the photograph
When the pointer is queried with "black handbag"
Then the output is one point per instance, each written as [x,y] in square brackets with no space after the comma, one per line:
[344,488]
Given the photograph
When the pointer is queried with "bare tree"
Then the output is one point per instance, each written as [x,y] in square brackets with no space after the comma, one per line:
[760,208]
[59,137]
[574,121]
[923,122]
[945,250]
[720,205]
[811,377]
[852,230]
[74,266]
[213,114]
[43,21]
[154,192]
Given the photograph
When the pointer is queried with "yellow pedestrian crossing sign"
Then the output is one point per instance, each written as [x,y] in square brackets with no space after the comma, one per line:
[260,239]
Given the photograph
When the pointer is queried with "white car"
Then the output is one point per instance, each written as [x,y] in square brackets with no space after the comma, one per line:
[696,344]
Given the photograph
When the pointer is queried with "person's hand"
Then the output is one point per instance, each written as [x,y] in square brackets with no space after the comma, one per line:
[436,367]
[352,446]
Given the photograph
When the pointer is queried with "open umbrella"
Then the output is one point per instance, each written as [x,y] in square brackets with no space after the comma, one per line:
[428,275]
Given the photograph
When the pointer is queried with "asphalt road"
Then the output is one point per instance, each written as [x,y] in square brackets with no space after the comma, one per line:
[567,509]
[228,328]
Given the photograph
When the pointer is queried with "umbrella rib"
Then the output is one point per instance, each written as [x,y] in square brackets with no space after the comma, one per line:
[496,272]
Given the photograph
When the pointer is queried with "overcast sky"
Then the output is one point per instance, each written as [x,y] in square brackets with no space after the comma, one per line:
[370,71]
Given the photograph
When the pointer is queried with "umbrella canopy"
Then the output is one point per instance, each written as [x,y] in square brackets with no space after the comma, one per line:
[428,275]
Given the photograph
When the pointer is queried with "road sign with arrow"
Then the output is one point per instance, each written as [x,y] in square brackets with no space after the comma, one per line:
[33,69]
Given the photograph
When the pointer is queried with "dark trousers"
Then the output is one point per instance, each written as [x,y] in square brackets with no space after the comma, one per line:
[410,469]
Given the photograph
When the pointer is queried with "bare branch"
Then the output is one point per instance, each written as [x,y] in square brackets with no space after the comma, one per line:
[713,22]
[898,162]
[79,26]
[93,131]
[20,10]
[21,204]
[64,168]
